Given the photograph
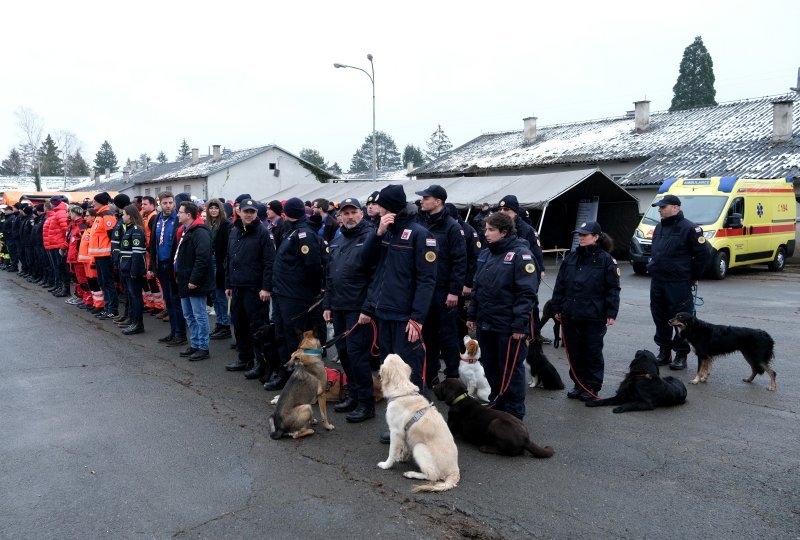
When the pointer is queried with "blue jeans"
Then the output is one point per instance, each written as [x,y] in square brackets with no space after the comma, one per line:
[194,311]
[221,307]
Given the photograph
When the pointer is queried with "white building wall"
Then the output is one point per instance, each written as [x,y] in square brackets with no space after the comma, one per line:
[197,187]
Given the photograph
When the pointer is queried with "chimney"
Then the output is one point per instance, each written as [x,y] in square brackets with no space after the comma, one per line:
[195,156]
[409,167]
[782,120]
[641,115]
[126,174]
[216,154]
[529,129]
[108,172]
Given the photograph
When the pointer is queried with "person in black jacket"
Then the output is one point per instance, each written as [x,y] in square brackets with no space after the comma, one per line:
[40,255]
[473,244]
[586,301]
[275,223]
[503,296]
[26,241]
[297,280]
[677,262]
[327,224]
[248,283]
[8,224]
[347,278]
[133,267]
[195,277]
[440,328]
[217,222]
[373,216]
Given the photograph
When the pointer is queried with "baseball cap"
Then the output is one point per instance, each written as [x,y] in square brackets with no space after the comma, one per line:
[350,201]
[590,227]
[435,190]
[669,199]
[248,204]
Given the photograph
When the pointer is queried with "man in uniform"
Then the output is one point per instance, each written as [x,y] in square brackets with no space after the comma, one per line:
[473,245]
[678,260]
[373,210]
[297,280]
[441,330]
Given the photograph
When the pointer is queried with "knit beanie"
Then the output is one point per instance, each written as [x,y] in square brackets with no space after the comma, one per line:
[294,208]
[262,212]
[392,198]
[103,198]
[121,201]
[276,207]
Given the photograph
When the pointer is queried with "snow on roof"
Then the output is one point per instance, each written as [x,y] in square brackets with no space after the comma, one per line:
[741,129]
[386,175]
[49,183]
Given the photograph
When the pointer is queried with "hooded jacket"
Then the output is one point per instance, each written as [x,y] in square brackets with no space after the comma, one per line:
[193,260]
[55,228]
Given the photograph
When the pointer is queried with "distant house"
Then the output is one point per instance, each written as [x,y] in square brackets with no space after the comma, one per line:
[385,175]
[758,138]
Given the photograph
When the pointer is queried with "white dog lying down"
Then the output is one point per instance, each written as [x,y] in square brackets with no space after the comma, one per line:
[417,429]
[471,373]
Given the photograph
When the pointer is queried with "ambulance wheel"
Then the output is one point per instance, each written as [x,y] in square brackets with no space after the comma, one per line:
[719,267]
[780,260]
[640,268]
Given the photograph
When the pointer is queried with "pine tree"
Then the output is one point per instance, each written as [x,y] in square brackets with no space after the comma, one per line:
[184,152]
[162,157]
[388,157]
[335,169]
[313,157]
[105,159]
[695,85]
[12,165]
[49,160]
[413,155]
[78,165]
[438,144]
[144,160]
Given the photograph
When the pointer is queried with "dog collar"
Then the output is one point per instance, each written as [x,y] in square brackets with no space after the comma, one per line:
[313,352]
[470,360]
[404,395]
[420,413]
[459,398]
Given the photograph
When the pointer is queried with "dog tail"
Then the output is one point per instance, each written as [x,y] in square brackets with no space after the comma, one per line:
[537,451]
[274,433]
[449,482]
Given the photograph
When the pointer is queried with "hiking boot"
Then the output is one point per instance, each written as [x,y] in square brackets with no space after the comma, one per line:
[177,341]
[575,393]
[679,362]
[188,352]
[664,357]
[362,412]
[237,365]
[223,331]
[348,405]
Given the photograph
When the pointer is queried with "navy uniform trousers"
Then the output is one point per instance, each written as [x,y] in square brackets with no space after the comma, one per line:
[667,299]
[584,342]
[291,317]
[248,315]
[497,357]
[354,353]
[392,339]
[440,332]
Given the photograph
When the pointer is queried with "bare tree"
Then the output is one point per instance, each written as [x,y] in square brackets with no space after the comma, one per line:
[32,127]
[68,142]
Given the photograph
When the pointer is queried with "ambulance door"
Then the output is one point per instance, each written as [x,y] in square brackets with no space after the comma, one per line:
[737,234]
[757,218]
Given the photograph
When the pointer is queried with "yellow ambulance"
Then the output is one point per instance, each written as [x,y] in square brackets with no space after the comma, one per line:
[746,221]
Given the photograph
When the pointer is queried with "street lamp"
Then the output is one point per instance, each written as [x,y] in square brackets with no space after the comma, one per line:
[374,138]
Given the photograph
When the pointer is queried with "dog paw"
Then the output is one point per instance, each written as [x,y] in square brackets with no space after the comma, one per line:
[617,410]
[385,465]
[772,389]
[314,422]
[747,380]
[275,400]
[328,426]
[694,381]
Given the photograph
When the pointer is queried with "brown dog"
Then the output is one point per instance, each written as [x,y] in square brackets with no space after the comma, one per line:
[495,432]
[293,413]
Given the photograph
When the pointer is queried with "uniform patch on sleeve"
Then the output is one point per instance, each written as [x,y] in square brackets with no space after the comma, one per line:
[527,257]
[619,273]
[431,242]
[701,239]
[530,268]
[509,256]
[462,232]
[474,234]
[478,243]
[699,230]
[406,234]
[304,249]
[430,256]
[136,242]
[301,234]
[108,224]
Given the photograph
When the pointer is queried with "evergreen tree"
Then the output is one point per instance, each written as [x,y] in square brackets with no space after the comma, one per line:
[12,165]
[695,85]
[414,155]
[335,169]
[49,159]
[105,159]
[162,157]
[388,157]
[144,160]
[313,157]
[438,144]
[78,165]
[184,152]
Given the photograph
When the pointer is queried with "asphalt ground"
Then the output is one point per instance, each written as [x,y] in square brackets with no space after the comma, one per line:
[108,436]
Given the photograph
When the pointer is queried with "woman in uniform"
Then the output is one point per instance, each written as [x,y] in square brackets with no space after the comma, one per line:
[132,266]
[586,301]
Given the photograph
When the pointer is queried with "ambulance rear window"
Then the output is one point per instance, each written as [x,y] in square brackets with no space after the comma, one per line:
[702,209]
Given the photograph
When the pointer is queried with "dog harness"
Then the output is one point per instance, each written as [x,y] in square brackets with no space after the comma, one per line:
[470,360]
[419,414]
[313,352]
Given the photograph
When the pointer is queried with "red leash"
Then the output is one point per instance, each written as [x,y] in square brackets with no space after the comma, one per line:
[571,370]
[418,328]
[505,380]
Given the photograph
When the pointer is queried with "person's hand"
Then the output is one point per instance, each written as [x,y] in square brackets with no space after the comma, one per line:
[263,295]
[414,331]
[470,325]
[451,302]
[466,291]
[228,292]
[326,315]
[150,274]
[192,286]
[557,317]
[610,322]
[386,220]
[541,276]
[518,335]
[364,319]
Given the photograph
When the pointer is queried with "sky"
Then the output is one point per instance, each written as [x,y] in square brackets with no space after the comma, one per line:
[145,75]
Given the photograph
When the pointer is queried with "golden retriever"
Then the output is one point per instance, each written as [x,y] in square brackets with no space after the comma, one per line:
[417,429]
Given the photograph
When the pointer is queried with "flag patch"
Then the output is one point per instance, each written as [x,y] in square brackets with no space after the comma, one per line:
[527,257]
[430,242]
[301,235]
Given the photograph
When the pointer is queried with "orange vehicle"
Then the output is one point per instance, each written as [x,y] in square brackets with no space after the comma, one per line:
[36,197]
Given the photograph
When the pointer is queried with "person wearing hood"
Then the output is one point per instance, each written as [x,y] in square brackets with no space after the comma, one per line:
[195,278]
[297,279]
[586,302]
[503,296]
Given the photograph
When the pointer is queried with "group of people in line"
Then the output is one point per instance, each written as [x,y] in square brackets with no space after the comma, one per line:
[409,278]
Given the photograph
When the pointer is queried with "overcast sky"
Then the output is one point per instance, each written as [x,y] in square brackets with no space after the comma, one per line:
[144,75]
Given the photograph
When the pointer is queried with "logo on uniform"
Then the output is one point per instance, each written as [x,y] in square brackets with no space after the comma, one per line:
[430,242]
[406,234]
[530,268]
[108,224]
[478,243]
[618,272]
[136,242]
[430,256]
[526,256]
[304,249]
[701,239]
[509,256]
[462,232]
[301,235]
[583,225]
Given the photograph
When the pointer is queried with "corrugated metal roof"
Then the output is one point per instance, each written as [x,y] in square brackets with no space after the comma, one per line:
[740,130]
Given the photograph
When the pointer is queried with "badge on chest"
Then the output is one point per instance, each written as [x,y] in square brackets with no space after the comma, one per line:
[406,234]
[509,258]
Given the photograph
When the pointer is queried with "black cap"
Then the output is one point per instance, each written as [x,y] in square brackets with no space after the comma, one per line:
[242,197]
[511,202]
[103,198]
[248,204]
[590,227]
[350,201]
[372,197]
[669,199]
[392,198]
[435,190]
[276,206]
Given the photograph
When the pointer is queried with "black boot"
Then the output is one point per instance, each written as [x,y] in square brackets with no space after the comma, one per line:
[364,411]
[259,367]
[575,393]
[238,365]
[277,382]
[136,328]
[222,331]
[679,362]
[664,356]
[348,405]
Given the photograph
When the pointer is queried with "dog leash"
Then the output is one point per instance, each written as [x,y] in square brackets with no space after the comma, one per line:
[505,380]
[374,350]
[697,301]
[571,369]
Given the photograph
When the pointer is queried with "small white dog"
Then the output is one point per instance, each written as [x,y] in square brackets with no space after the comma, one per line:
[417,429]
[471,373]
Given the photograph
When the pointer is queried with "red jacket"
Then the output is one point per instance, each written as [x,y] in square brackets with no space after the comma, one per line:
[54,233]
[75,234]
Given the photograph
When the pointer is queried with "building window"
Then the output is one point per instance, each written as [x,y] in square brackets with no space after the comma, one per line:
[187,188]
[168,188]
[272,166]
[147,191]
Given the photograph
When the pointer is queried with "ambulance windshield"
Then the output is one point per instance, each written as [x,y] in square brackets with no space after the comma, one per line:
[701,209]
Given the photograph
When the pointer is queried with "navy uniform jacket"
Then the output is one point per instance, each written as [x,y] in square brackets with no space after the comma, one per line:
[117,233]
[405,277]
[451,266]
[526,232]
[132,251]
[587,286]
[504,291]
[350,267]
[250,257]
[298,271]
[679,251]
[27,230]
[473,251]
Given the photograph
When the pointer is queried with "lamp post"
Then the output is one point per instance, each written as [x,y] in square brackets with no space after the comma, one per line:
[374,137]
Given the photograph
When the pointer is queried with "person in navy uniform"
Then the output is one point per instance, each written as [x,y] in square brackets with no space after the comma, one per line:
[473,245]
[586,301]
[297,280]
[503,296]
[373,216]
[348,275]
[679,257]
[441,329]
